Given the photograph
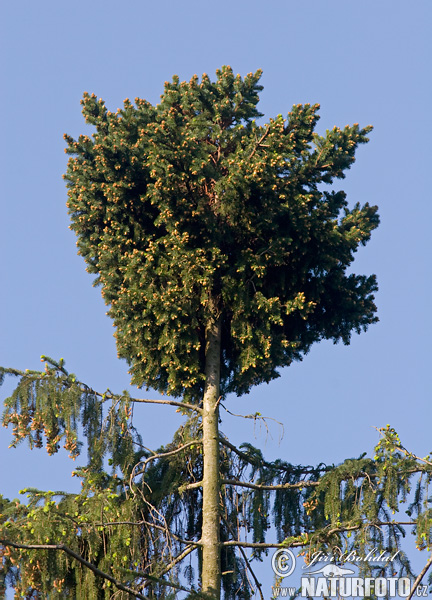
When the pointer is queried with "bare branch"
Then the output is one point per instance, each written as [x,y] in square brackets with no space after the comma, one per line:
[190,486]
[217,403]
[258,417]
[420,577]
[168,402]
[281,486]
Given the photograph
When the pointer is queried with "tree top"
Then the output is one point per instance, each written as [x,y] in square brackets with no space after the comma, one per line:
[193,210]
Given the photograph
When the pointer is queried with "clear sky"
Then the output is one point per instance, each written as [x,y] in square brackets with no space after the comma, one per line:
[365,62]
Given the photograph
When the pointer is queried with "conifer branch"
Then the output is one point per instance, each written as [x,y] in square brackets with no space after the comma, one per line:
[410,455]
[281,486]
[383,431]
[77,557]
[395,523]
[358,526]
[108,395]
[303,484]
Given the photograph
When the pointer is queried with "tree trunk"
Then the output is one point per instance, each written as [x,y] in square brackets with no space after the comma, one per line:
[211,571]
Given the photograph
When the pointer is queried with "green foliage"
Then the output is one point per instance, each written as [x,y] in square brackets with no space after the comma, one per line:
[52,404]
[131,523]
[80,523]
[191,209]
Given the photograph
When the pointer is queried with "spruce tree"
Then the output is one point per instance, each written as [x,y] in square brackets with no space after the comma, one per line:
[223,254]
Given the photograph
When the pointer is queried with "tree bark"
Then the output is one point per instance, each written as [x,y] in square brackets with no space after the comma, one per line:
[211,569]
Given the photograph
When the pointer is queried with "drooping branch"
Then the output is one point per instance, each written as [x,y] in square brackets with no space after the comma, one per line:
[61,547]
[385,432]
[107,395]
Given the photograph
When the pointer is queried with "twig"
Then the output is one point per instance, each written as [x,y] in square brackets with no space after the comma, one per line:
[260,141]
[173,535]
[411,455]
[257,417]
[217,403]
[377,524]
[265,250]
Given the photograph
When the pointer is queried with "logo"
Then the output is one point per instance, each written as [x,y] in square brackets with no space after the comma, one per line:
[336,581]
[332,571]
[283,562]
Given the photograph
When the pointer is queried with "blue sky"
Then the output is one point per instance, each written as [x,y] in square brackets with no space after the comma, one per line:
[365,62]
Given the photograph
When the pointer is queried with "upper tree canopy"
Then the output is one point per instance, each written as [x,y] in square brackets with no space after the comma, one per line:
[190,210]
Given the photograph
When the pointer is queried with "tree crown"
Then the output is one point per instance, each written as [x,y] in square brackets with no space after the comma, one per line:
[190,209]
